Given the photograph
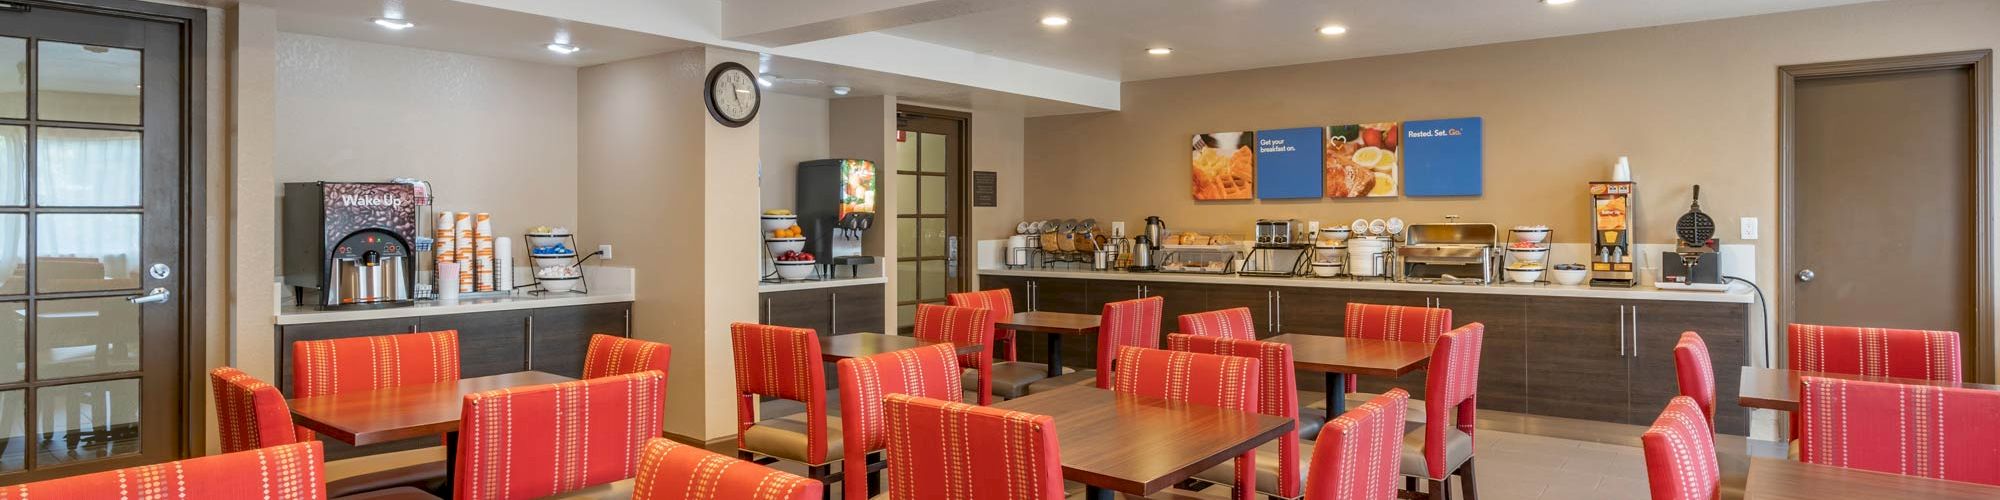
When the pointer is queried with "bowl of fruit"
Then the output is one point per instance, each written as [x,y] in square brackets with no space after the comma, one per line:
[1524,272]
[779,218]
[781,246]
[788,232]
[795,265]
[1525,251]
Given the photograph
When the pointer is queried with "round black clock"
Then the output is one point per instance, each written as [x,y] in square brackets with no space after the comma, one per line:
[733,95]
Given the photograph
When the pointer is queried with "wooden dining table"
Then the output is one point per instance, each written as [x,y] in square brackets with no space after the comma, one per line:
[1138,445]
[1338,357]
[363,418]
[1777,479]
[1778,388]
[834,348]
[1056,325]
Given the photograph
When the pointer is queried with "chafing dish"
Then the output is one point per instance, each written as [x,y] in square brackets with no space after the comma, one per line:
[1450,252]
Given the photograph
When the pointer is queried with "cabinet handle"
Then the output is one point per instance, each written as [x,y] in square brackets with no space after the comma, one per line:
[628,319]
[1278,300]
[413,328]
[767,316]
[1635,331]
[833,309]
[531,342]
[1621,331]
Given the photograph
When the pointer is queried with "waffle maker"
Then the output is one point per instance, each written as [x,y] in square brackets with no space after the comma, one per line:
[1695,260]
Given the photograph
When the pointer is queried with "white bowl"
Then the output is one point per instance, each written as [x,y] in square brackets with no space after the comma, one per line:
[1326,270]
[542,261]
[1570,276]
[1530,235]
[560,284]
[1335,233]
[1535,255]
[776,222]
[546,240]
[1524,276]
[795,270]
[779,246]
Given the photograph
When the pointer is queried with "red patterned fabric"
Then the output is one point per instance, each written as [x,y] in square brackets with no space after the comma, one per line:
[1400,323]
[1278,394]
[1001,302]
[1918,430]
[1680,454]
[1214,380]
[674,471]
[1133,322]
[941,449]
[613,355]
[962,326]
[1881,352]
[251,413]
[322,367]
[930,372]
[1696,373]
[1227,323]
[1451,388]
[292,472]
[536,441]
[1358,454]
[780,362]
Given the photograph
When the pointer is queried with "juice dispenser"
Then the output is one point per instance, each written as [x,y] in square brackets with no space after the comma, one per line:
[1612,260]
[836,206]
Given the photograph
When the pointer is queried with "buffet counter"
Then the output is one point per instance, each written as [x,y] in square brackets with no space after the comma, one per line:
[608,285]
[1737,294]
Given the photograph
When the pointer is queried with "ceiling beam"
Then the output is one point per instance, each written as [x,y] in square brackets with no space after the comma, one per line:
[777,23]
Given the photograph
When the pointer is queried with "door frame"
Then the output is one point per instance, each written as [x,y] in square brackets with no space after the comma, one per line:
[961,208]
[1980,65]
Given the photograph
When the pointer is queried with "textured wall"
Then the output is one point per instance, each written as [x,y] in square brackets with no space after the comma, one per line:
[791,129]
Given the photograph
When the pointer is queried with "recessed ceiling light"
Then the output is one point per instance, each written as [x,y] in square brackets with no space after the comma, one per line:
[1557,2]
[1055,21]
[1332,29]
[394,24]
[563,48]
[1160,51]
[841,90]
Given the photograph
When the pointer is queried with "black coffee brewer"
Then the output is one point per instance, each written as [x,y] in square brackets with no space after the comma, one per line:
[350,243]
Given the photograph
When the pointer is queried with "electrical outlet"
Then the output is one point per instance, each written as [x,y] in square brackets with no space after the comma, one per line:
[605,250]
[1749,228]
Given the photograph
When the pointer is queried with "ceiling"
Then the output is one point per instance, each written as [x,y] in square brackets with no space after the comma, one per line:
[1109,38]
[468,29]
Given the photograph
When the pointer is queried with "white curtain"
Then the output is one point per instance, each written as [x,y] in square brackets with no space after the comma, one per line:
[77,167]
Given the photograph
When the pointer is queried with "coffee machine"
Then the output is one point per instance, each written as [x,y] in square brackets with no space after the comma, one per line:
[836,207]
[350,243]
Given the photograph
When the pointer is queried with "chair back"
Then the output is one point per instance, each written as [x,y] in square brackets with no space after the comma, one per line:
[1918,430]
[1680,454]
[1451,388]
[1001,302]
[1696,373]
[1233,323]
[1359,454]
[537,441]
[1880,352]
[674,471]
[293,472]
[780,362]
[961,326]
[1134,323]
[613,355]
[952,450]
[251,413]
[865,383]
[322,367]
[1277,395]
[1399,323]
[1215,380]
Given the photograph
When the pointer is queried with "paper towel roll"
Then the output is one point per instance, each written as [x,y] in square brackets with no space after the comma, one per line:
[503,263]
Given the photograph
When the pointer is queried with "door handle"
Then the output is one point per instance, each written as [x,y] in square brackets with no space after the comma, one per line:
[154,296]
[1805,275]
[1621,331]
[951,256]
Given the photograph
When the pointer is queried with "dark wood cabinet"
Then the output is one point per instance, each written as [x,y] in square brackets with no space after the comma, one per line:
[1312,311]
[1017,288]
[1503,364]
[559,338]
[287,334]
[1062,295]
[489,343]
[828,311]
[1654,378]
[857,309]
[798,309]
[1576,359]
[1177,299]
[1258,298]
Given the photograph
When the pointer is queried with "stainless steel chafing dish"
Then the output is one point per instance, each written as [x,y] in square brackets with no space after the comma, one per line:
[1450,252]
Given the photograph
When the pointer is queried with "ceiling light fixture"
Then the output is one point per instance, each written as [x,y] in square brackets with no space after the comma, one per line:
[394,24]
[765,80]
[562,48]
[1055,21]
[1160,51]
[1557,2]
[1332,29]
[842,90]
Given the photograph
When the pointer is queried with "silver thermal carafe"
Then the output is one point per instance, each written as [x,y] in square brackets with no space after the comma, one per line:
[349,243]
[1142,251]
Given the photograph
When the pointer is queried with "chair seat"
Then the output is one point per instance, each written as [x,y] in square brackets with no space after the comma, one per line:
[1010,378]
[398,493]
[427,476]
[1267,468]
[785,437]
[1457,449]
[1079,377]
[1310,420]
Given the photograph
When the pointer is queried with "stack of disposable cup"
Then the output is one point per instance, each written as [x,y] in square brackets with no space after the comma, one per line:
[482,251]
[443,247]
[503,263]
[462,231]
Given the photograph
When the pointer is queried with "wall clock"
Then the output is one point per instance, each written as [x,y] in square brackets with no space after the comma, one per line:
[733,95]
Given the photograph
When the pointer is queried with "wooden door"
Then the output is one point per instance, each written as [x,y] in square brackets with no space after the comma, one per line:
[1576,359]
[930,208]
[1503,369]
[1655,379]
[559,338]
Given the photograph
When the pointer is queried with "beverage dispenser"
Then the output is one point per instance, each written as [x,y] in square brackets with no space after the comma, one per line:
[836,207]
[1612,260]
[349,243]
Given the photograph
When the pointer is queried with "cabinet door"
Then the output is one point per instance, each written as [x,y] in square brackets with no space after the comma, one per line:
[1503,369]
[559,337]
[857,309]
[1257,298]
[800,309]
[1655,379]
[1017,288]
[287,334]
[489,343]
[1576,368]
[1177,299]
[1313,311]
[1107,291]
[1063,295]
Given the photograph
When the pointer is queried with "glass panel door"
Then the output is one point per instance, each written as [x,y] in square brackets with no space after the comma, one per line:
[928,169]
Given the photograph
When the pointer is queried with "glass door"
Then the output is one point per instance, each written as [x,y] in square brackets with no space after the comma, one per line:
[92,146]
[929,164]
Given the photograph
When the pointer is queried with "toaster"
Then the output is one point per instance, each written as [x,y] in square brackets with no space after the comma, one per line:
[1277,233]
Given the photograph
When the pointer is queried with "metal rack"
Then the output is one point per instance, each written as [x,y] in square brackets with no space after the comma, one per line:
[576,261]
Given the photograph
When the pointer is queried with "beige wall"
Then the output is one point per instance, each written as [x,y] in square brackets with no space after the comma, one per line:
[865,128]
[791,129]
[1690,104]
[997,136]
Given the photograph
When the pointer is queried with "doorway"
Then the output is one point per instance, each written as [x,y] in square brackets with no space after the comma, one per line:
[930,211]
[98,118]
[1886,180]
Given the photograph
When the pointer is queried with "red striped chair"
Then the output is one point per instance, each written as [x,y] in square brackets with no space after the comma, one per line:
[674,471]
[1279,470]
[1001,302]
[782,362]
[1214,380]
[1399,323]
[962,326]
[250,413]
[291,471]
[1443,448]
[928,372]
[613,355]
[987,453]
[537,441]
[321,367]
[1355,458]
[1134,322]
[1879,352]
[1696,373]
[1235,323]
[1917,430]
[1009,378]
[1680,454]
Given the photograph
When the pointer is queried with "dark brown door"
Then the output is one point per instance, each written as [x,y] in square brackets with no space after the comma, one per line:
[930,164]
[1884,206]
[93,143]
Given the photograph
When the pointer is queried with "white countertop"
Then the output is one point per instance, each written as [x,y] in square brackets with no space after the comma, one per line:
[1737,294]
[608,284]
[817,284]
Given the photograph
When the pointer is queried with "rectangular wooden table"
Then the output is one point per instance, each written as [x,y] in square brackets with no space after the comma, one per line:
[1778,388]
[1775,479]
[834,348]
[363,418]
[1139,445]
[1339,356]
[1056,325]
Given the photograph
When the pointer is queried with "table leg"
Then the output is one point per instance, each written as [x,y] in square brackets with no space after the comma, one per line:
[1055,355]
[1096,493]
[450,465]
[1336,395]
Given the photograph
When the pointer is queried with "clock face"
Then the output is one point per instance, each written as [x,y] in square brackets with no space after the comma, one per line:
[733,94]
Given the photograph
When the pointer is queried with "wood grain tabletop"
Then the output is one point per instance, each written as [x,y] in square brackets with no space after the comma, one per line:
[1052,322]
[367,417]
[1776,479]
[1140,445]
[1369,357]
[1778,388]
[860,345]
